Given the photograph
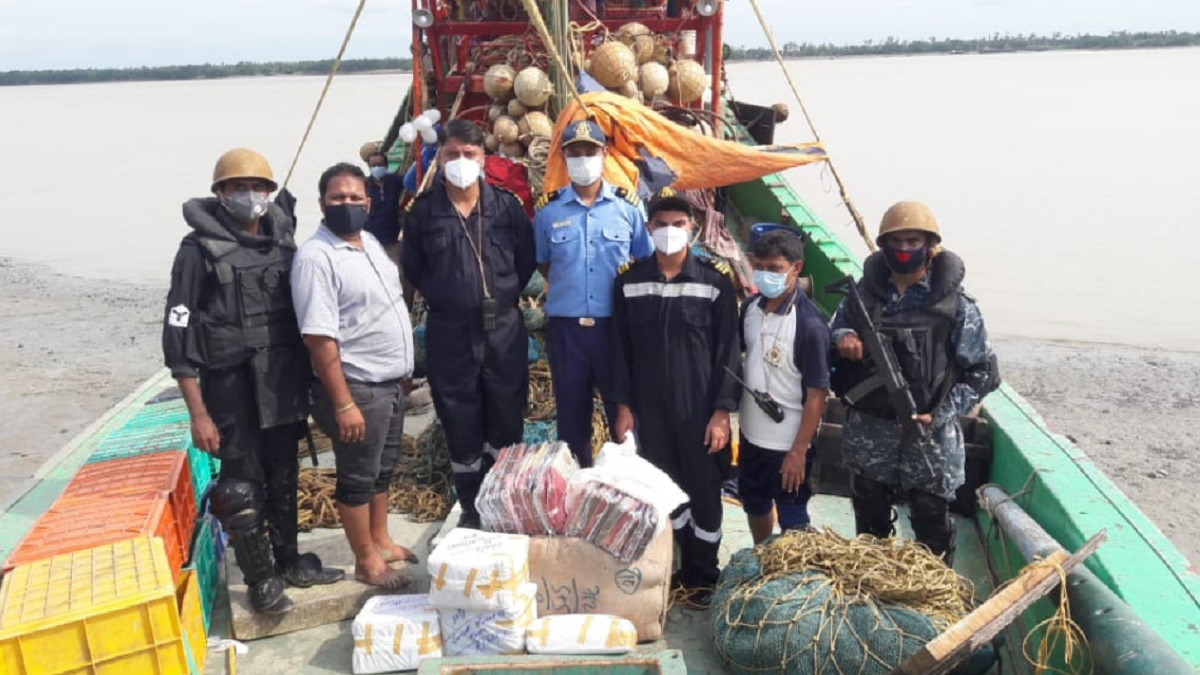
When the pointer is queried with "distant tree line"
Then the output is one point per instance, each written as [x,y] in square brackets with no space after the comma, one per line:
[995,43]
[206,71]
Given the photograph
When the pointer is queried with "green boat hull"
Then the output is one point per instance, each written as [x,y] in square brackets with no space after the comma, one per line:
[1061,487]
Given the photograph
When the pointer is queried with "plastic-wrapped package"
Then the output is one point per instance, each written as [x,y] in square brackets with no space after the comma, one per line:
[622,503]
[395,632]
[478,570]
[492,632]
[524,493]
[581,634]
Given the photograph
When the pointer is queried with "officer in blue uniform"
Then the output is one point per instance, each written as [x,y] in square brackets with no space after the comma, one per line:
[584,233]
[468,248]
[384,189]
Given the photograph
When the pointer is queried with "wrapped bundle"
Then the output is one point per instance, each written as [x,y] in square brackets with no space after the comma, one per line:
[493,632]
[581,634]
[525,491]
[395,632]
[478,570]
[622,503]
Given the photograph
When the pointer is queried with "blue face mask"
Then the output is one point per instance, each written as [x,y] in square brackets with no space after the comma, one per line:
[771,284]
[378,172]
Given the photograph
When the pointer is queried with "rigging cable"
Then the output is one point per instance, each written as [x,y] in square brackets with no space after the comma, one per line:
[858,219]
[337,62]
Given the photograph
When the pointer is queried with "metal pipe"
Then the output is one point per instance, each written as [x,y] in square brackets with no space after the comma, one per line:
[1122,644]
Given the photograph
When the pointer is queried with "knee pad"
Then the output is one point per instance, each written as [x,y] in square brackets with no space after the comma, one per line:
[872,503]
[932,523]
[238,504]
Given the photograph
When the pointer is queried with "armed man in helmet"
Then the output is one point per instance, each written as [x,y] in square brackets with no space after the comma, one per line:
[231,341]
[914,289]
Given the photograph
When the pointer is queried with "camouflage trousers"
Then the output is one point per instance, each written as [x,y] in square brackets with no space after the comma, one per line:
[875,448]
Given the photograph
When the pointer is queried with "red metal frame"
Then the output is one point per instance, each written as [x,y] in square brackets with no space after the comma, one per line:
[461,37]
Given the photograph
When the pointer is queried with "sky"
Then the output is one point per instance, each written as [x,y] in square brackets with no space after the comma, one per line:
[51,34]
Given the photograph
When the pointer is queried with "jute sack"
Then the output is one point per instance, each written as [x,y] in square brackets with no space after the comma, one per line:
[575,577]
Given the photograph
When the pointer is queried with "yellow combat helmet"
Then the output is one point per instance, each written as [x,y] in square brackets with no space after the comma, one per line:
[242,163]
[909,216]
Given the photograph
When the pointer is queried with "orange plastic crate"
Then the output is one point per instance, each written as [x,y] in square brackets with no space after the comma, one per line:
[86,523]
[160,472]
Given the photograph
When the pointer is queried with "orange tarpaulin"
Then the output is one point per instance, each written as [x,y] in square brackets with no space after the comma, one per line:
[698,161]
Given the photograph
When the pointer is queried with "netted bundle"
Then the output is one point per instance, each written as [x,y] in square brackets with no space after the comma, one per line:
[818,603]
[543,431]
[654,79]
[535,287]
[498,81]
[613,64]
[532,87]
[687,81]
[535,319]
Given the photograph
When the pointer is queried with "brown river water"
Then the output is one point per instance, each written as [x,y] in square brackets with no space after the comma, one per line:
[1065,179]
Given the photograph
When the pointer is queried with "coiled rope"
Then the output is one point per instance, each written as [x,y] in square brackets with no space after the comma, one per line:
[858,219]
[337,63]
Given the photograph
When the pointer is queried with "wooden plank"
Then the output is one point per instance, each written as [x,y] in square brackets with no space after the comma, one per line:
[972,631]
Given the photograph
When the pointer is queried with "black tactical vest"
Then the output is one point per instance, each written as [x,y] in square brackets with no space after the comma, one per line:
[247,319]
[255,314]
[921,339]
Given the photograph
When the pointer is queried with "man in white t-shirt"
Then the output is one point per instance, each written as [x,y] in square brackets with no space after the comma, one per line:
[786,342]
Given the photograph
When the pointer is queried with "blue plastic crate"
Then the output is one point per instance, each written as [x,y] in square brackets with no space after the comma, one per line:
[130,442]
[207,552]
[202,471]
[158,414]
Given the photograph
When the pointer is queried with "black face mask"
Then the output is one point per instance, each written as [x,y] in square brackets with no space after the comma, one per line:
[345,218]
[905,262]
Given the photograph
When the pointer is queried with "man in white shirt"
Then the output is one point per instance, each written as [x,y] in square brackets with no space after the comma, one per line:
[352,315]
[786,343]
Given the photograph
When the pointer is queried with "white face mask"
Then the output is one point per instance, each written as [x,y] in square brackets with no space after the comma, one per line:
[462,172]
[670,240]
[585,171]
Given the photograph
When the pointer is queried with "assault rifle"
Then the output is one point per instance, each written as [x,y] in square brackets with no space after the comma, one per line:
[879,349]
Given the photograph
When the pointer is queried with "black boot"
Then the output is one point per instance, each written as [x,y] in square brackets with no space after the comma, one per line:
[253,555]
[238,504]
[932,524]
[872,503]
[467,485]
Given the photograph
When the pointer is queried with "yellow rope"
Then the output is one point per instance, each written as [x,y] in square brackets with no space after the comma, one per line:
[1060,633]
[337,62]
[858,219]
[539,22]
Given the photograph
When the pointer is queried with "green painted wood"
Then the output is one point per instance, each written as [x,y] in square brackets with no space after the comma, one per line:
[1071,498]
[669,662]
[17,518]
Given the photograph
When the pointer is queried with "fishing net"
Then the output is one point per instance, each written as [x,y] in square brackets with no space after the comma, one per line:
[817,603]
[421,485]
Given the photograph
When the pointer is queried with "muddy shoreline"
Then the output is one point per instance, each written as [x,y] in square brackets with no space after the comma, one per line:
[73,347]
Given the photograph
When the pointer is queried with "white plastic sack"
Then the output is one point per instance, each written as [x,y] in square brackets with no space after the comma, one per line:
[395,632]
[581,634]
[493,632]
[478,570]
[622,503]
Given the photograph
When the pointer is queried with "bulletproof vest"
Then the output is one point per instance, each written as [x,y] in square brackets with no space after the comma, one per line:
[254,316]
[920,338]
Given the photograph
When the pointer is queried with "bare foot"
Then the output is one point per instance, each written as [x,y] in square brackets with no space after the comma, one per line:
[385,577]
[393,553]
